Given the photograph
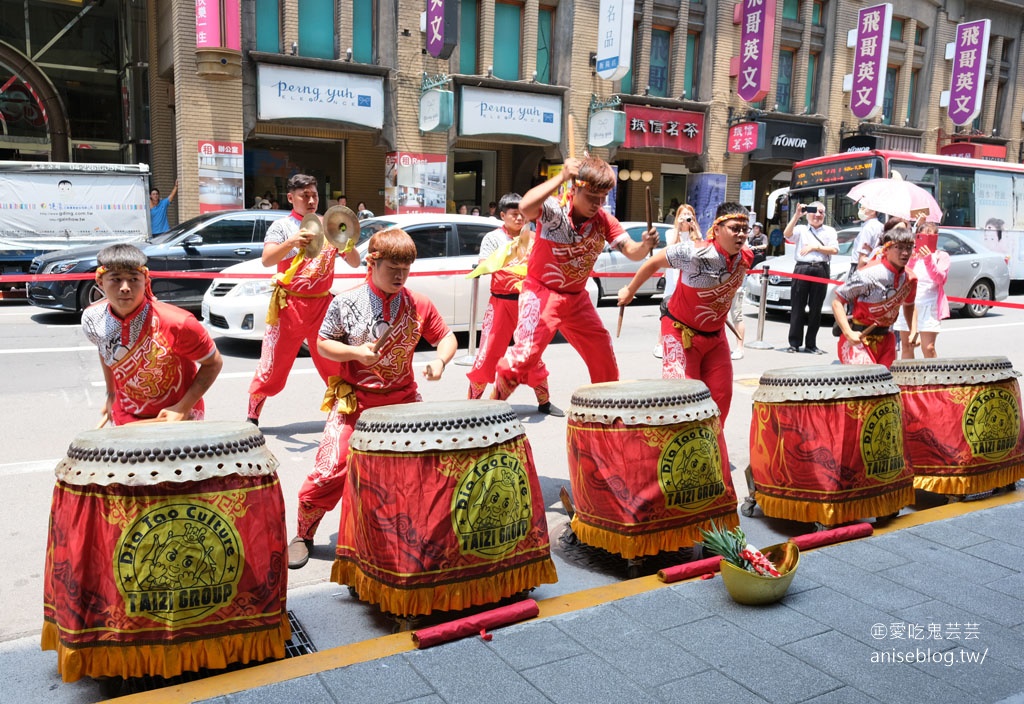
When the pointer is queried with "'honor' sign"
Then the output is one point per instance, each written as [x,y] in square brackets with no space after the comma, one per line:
[614,39]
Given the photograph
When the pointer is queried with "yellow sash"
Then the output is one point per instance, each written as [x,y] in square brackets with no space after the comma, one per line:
[341,391]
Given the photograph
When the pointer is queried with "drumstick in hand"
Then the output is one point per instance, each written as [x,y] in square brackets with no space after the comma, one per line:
[618,327]
[104,419]
[383,338]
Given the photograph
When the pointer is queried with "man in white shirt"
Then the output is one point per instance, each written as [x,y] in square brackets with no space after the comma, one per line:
[815,243]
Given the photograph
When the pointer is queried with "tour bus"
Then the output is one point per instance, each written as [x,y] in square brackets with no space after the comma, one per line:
[977,194]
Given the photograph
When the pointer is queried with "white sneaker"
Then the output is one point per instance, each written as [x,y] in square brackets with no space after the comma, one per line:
[737,353]
[657,351]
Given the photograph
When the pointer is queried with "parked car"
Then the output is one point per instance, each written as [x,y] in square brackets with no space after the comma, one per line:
[975,272]
[237,308]
[207,243]
[612,261]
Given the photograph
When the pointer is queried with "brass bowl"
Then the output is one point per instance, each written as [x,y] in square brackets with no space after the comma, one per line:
[754,589]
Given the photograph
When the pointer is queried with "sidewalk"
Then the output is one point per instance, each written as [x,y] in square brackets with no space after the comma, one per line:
[942,588]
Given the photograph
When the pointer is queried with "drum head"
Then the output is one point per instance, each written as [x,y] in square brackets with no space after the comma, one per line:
[643,402]
[952,371]
[439,425]
[151,453]
[824,382]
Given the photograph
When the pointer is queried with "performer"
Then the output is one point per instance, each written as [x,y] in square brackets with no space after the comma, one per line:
[300,296]
[876,293]
[354,321]
[693,320]
[815,244]
[149,351]
[683,227]
[569,238]
[930,304]
[503,254]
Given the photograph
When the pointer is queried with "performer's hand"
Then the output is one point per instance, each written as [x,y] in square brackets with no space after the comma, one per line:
[365,355]
[434,369]
[854,337]
[625,296]
[651,238]
[169,415]
[570,169]
[300,239]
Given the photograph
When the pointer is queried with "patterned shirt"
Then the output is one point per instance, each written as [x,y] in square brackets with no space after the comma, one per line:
[878,291]
[314,275]
[708,280]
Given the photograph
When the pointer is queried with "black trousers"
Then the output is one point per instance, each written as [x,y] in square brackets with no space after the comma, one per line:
[803,296]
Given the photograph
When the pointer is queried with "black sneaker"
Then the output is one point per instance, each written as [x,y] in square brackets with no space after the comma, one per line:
[550,410]
[790,349]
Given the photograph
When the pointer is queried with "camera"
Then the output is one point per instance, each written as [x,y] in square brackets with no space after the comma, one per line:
[810,209]
[687,218]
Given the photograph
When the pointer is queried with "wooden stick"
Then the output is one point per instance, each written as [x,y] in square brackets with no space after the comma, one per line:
[572,138]
[104,419]
[618,327]
[383,338]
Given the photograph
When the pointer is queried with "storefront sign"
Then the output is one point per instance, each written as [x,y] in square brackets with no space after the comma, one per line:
[536,116]
[289,92]
[970,56]
[221,172]
[870,59]
[679,130]
[208,24]
[757,39]
[436,110]
[858,143]
[415,183]
[745,137]
[614,39]
[791,141]
[442,27]
[747,193]
[973,150]
[607,128]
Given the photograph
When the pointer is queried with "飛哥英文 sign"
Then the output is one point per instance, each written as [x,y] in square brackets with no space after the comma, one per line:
[290,92]
[753,67]
[870,60]
[970,56]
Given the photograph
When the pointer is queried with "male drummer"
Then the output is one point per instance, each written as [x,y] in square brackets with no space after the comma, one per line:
[299,297]
[157,359]
[355,321]
[876,293]
[569,238]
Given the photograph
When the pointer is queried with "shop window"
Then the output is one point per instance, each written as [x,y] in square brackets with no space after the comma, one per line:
[896,31]
[810,94]
[919,35]
[268,26]
[690,73]
[661,51]
[545,18]
[816,13]
[912,98]
[791,10]
[468,23]
[316,28]
[889,97]
[362,31]
[784,85]
[508,22]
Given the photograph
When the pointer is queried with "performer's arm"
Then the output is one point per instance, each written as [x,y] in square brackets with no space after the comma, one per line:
[638,250]
[108,381]
[273,252]
[446,349]
[351,258]
[658,261]
[208,370]
[531,203]
[839,312]
[340,352]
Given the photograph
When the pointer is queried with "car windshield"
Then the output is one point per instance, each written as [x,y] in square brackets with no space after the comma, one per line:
[367,228]
[636,232]
[178,230]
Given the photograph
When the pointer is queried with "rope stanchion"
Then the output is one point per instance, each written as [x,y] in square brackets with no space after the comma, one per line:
[468,359]
[759,343]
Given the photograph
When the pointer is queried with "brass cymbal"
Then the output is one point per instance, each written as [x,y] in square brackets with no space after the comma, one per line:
[341,226]
[311,223]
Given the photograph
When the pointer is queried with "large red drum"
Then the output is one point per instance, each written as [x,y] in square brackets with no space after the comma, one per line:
[962,423]
[646,466]
[165,552]
[442,508]
[826,444]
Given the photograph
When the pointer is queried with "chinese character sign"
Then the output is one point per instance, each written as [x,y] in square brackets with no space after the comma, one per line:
[614,39]
[745,137]
[442,27]
[757,41]
[679,130]
[969,59]
[415,183]
[870,59]
[208,24]
[221,175]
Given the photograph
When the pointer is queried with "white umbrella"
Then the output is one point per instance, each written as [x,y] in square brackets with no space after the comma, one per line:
[896,197]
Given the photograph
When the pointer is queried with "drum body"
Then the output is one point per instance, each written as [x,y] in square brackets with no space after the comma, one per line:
[166,552]
[442,508]
[646,465]
[962,420]
[826,444]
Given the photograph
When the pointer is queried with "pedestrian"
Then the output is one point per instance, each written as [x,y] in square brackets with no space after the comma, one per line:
[758,242]
[157,359]
[569,238]
[814,245]
[504,253]
[362,212]
[463,209]
[684,227]
[877,292]
[694,320]
[492,210]
[931,267]
[672,210]
[867,239]
[776,243]
[366,378]
[475,210]
[299,299]
[158,209]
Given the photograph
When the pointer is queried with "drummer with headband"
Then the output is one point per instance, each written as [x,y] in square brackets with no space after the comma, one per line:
[370,374]
[299,298]
[570,236]
[876,293]
[157,359]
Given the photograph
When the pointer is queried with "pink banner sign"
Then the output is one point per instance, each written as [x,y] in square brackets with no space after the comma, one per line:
[207,24]
[968,79]
[757,41]
[870,59]
[745,137]
[232,24]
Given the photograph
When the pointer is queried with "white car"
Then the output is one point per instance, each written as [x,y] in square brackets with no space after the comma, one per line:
[237,307]
[612,261]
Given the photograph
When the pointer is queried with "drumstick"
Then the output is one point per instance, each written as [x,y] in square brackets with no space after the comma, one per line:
[572,137]
[733,328]
[650,222]
[618,327]
[104,419]
[383,338]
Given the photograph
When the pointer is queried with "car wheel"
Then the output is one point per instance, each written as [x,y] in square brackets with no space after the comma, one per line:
[88,294]
[981,291]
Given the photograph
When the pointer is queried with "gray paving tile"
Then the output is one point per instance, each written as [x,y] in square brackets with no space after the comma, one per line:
[1011,586]
[940,558]
[930,620]
[585,678]
[839,612]
[432,699]
[866,555]
[388,679]
[999,552]
[664,608]
[850,661]
[759,666]
[983,678]
[952,534]
[999,522]
[970,598]
[844,695]
[446,669]
[857,583]
[301,689]
[1003,644]
[711,687]
[533,644]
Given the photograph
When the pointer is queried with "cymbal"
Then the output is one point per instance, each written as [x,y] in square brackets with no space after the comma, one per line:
[311,223]
[341,226]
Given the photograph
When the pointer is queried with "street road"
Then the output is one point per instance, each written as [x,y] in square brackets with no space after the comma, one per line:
[51,388]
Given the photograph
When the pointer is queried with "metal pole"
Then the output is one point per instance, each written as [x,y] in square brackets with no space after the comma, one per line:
[467,360]
[758,344]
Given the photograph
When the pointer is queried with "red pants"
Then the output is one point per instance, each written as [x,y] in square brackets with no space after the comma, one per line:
[542,312]
[300,321]
[882,352]
[325,485]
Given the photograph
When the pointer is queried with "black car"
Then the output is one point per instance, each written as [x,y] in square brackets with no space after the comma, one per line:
[207,243]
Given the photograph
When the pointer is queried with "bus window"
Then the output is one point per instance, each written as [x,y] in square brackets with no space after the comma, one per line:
[956,197]
[920,174]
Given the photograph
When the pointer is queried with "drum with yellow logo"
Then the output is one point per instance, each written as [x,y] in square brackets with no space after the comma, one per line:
[442,509]
[962,421]
[166,552]
[646,466]
[826,444]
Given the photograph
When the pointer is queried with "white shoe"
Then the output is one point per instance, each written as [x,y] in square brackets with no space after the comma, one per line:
[737,353]
[657,351]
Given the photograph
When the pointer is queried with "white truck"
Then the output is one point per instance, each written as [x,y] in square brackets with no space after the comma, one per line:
[50,205]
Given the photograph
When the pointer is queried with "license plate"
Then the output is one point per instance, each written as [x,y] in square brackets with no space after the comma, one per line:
[773,294]
[206,310]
